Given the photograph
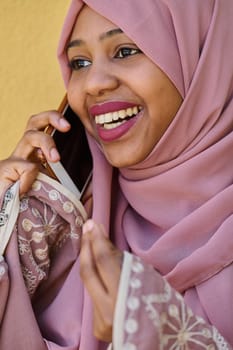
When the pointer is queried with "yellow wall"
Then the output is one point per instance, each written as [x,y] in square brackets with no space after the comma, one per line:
[30,79]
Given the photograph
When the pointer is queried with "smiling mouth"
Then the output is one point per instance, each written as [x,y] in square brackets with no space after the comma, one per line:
[114,119]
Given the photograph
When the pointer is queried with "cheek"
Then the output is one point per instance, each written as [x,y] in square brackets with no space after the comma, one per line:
[74,95]
[76,102]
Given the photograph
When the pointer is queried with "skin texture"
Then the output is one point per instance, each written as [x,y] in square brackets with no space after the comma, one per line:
[24,162]
[113,69]
[99,262]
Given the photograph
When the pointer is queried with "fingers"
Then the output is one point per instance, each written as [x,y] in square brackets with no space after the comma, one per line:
[106,259]
[41,120]
[35,145]
[88,269]
[13,169]
[100,269]
[35,138]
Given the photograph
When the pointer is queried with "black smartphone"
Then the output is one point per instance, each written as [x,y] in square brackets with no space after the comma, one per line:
[75,167]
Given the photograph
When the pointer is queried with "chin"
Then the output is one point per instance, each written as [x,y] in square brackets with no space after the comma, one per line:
[121,162]
[118,163]
[124,157]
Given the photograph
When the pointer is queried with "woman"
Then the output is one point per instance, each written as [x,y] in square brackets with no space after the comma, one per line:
[153,89]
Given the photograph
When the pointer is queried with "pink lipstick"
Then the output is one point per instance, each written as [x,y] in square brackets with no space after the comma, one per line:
[115,133]
[108,107]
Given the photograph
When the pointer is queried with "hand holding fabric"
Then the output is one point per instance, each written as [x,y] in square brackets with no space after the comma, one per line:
[35,144]
[100,268]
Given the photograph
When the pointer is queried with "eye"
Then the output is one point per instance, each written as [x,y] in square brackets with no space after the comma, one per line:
[127,51]
[78,63]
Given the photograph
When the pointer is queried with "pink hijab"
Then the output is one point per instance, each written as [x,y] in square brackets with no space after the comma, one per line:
[175,208]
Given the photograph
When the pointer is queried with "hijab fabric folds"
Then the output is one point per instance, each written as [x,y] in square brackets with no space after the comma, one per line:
[175,209]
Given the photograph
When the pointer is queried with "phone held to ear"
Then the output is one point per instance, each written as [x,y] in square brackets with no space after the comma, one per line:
[75,167]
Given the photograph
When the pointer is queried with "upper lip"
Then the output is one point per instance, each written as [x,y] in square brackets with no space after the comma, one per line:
[110,106]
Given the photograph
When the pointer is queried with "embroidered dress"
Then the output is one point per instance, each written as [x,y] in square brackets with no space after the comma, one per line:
[151,315]
[38,263]
[39,273]
[174,208]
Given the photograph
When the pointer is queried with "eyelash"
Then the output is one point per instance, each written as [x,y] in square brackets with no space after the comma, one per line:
[124,52]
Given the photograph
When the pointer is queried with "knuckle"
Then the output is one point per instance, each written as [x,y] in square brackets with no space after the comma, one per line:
[31,118]
[102,258]
[85,270]
[31,167]
[31,121]
[103,330]
[41,120]
[37,137]
[6,171]
[28,134]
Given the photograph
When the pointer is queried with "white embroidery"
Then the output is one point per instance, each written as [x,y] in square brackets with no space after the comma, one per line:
[27,225]
[45,232]
[2,270]
[79,221]
[23,205]
[131,326]
[30,279]
[37,237]
[137,267]
[220,341]
[42,254]
[36,185]
[160,297]
[68,207]
[176,325]
[129,346]
[54,195]
[178,328]
[133,303]
[135,283]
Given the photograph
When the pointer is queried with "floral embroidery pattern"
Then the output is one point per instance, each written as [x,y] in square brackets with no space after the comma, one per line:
[42,230]
[171,325]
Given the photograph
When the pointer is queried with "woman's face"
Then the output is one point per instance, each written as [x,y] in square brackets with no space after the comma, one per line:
[123,99]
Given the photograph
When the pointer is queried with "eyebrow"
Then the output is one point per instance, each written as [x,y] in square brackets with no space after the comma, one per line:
[108,34]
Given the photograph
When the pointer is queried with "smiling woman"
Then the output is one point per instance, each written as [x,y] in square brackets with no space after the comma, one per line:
[111,74]
[30,79]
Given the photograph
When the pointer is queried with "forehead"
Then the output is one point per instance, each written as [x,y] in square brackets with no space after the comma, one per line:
[89,23]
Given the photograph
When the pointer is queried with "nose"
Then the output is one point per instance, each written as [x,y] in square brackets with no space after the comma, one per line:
[100,79]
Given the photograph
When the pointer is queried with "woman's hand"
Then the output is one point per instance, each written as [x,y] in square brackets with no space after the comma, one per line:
[35,143]
[100,269]
[34,146]
[12,169]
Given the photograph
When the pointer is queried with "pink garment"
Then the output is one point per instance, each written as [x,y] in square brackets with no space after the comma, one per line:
[39,274]
[174,209]
[150,314]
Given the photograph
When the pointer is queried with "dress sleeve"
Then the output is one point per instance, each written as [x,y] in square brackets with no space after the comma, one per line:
[38,268]
[18,327]
[150,314]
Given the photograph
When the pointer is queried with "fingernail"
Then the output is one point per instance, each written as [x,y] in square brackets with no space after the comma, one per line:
[64,123]
[88,226]
[54,155]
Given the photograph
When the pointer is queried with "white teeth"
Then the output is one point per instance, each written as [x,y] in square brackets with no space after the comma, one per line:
[122,114]
[114,116]
[101,118]
[108,117]
[129,111]
[113,125]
